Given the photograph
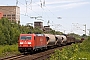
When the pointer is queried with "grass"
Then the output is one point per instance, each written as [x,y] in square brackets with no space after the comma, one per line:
[7,50]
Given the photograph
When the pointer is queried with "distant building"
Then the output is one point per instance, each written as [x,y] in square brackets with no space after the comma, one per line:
[38,25]
[11,12]
[1,15]
[46,28]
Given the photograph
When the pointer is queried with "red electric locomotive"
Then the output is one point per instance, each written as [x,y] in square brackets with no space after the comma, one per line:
[31,42]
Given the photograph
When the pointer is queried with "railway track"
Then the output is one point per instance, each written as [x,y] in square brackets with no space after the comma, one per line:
[42,55]
[13,57]
[38,56]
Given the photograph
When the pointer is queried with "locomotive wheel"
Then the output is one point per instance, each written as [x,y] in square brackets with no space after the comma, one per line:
[21,51]
[31,52]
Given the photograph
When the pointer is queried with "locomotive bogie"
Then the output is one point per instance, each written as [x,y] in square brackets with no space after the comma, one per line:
[25,49]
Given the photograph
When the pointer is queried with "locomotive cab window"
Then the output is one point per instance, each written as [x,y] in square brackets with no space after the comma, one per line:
[25,37]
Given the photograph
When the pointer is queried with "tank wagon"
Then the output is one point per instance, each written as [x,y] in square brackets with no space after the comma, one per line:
[51,40]
[61,40]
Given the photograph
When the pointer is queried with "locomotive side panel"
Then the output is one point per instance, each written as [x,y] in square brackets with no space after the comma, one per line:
[40,41]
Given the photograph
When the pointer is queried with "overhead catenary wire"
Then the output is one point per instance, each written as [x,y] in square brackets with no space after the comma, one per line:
[40,6]
[16,2]
[31,4]
[28,8]
[45,9]
[43,5]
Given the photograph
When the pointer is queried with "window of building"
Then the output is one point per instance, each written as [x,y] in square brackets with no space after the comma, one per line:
[4,15]
[13,21]
[8,15]
[13,17]
[13,14]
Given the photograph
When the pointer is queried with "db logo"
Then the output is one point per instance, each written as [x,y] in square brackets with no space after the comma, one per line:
[41,39]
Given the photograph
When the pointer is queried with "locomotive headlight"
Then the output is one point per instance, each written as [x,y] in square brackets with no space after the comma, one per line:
[29,42]
[21,42]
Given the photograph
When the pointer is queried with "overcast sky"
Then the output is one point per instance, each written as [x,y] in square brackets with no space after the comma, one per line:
[74,13]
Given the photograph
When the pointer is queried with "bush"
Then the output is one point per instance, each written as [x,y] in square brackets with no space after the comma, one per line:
[73,52]
[9,32]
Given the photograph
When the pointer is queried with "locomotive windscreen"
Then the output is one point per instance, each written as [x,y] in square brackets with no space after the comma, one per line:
[25,38]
